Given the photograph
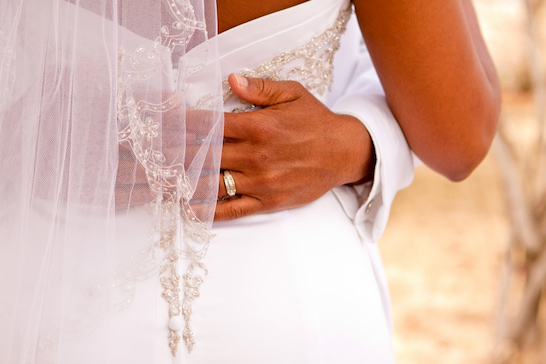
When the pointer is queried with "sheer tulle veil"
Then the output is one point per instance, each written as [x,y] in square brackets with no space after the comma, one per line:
[110,142]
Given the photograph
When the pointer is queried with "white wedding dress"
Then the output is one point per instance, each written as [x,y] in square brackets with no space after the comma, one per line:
[301,285]
[296,286]
[305,285]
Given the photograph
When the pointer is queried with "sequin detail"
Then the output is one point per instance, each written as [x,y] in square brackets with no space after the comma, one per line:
[140,127]
[310,64]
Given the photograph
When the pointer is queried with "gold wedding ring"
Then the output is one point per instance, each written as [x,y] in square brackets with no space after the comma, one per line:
[230,185]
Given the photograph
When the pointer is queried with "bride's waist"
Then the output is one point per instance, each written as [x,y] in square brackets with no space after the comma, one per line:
[329,206]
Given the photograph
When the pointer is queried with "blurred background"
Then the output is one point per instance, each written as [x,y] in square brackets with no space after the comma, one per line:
[466,262]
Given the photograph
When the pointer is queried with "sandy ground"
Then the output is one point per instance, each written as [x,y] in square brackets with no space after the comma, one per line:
[442,252]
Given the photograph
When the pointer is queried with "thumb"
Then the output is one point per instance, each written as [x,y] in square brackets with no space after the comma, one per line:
[263,92]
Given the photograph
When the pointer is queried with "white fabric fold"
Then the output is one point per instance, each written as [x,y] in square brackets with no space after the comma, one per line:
[358,92]
[111,121]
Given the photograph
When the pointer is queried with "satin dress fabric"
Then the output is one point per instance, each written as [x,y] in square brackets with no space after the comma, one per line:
[296,286]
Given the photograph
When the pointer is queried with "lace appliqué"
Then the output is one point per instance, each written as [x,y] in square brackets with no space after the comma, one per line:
[180,301]
[140,129]
[310,64]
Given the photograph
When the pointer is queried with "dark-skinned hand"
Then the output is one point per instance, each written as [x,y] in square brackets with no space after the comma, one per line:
[290,152]
[286,154]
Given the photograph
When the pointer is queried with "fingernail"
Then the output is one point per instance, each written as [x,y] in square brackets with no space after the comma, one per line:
[241,80]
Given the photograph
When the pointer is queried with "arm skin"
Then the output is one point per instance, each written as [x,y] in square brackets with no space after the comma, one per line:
[438,77]
[289,153]
[440,84]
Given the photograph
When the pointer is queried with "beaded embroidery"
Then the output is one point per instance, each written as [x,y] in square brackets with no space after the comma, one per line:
[139,129]
[310,64]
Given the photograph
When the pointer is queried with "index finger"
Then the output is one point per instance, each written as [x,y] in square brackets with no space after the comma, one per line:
[238,126]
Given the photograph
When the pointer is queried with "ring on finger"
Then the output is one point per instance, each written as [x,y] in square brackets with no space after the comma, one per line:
[229,182]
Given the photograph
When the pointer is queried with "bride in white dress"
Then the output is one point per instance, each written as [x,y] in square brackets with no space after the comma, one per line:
[303,285]
[93,272]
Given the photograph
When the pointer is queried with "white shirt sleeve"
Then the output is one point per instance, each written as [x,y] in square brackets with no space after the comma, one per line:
[358,92]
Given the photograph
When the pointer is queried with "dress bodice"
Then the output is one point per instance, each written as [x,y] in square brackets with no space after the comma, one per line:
[298,43]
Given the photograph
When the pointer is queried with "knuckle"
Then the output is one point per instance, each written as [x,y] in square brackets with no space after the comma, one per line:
[295,85]
[279,200]
[258,159]
[235,211]
[280,91]
[276,201]
[269,127]
[274,192]
[265,88]
[260,130]
[262,86]
[295,88]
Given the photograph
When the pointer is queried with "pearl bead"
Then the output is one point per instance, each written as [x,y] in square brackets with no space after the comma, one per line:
[176,323]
